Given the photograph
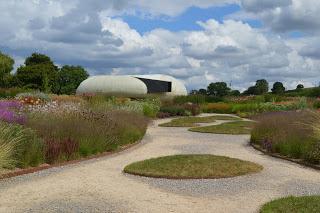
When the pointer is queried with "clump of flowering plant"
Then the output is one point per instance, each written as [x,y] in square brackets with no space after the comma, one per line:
[35,98]
[10,112]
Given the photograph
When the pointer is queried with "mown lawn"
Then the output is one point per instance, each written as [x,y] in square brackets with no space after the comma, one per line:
[193,121]
[192,167]
[308,204]
[233,128]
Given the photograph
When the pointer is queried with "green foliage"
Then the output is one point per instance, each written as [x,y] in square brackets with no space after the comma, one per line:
[37,76]
[196,99]
[36,59]
[22,147]
[300,86]
[180,109]
[6,66]
[233,128]
[307,204]
[286,133]
[174,110]
[219,89]
[235,93]
[278,88]
[34,95]
[8,143]
[262,86]
[94,132]
[69,78]
[10,92]
[216,108]
[316,104]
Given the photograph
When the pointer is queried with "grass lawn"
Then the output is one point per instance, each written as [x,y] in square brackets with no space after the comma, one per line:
[192,167]
[308,204]
[193,121]
[233,128]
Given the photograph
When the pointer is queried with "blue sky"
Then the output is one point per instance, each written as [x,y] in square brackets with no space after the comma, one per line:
[197,41]
[185,21]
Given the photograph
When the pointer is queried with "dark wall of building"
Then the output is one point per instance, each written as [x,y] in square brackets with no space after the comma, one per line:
[156,86]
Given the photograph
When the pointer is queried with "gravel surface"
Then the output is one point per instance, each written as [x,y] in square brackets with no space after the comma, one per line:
[100,186]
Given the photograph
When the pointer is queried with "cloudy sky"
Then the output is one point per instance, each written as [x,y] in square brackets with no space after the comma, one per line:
[197,41]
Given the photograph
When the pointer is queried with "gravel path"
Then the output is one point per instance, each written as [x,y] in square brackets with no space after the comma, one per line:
[100,186]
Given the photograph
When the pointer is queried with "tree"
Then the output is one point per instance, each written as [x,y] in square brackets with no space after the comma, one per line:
[202,92]
[278,88]
[6,66]
[69,78]
[39,72]
[261,87]
[300,86]
[37,58]
[235,93]
[250,91]
[218,89]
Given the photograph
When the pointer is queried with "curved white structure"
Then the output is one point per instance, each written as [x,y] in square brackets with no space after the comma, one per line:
[133,85]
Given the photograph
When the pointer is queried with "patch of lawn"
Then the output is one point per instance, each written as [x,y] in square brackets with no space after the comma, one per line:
[192,167]
[308,204]
[193,121]
[233,128]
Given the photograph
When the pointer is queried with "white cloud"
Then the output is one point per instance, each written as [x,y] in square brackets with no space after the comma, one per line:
[79,32]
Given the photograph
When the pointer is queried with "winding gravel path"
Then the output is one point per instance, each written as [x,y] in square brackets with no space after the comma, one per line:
[100,186]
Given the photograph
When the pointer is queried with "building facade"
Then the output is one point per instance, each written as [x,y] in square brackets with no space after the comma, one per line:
[133,85]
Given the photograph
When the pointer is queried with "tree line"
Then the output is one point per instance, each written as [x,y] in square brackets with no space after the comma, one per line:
[40,73]
[221,89]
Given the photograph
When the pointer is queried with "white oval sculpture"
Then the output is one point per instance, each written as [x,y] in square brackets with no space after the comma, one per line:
[113,85]
[133,85]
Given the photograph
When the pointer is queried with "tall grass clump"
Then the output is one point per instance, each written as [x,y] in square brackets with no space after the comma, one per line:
[19,147]
[292,134]
[80,134]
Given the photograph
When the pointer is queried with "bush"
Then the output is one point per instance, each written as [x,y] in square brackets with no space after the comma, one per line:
[286,133]
[217,108]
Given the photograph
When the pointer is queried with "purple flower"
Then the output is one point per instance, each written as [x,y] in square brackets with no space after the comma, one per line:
[8,112]
[10,104]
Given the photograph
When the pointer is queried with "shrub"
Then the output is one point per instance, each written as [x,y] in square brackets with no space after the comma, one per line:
[217,108]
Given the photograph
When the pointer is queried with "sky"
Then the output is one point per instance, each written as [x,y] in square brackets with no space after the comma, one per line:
[196,41]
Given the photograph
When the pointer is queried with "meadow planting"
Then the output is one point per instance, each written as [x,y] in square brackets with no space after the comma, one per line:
[37,128]
[293,134]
